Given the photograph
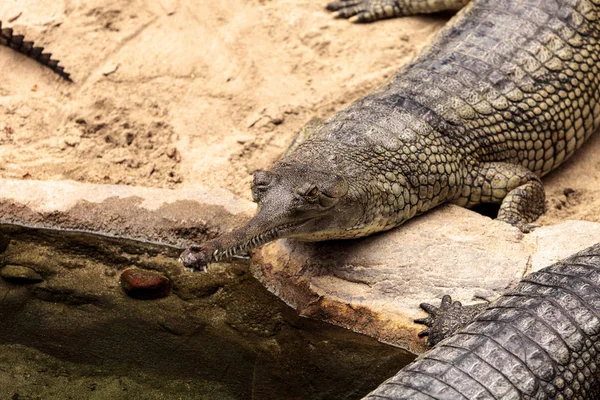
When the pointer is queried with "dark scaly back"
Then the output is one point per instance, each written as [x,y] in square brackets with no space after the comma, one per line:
[18,43]
[538,341]
[517,79]
[514,81]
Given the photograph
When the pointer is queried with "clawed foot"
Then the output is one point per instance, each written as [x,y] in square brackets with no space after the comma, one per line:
[446,319]
[365,10]
[436,322]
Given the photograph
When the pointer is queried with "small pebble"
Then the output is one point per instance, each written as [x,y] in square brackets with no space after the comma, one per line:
[20,274]
[145,285]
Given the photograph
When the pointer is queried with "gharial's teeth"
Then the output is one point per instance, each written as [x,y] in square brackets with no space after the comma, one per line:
[255,241]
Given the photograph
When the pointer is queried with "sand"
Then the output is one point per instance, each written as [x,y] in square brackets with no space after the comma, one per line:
[181,94]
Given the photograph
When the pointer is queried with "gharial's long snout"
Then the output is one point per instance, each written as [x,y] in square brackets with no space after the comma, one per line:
[258,231]
[254,234]
[293,201]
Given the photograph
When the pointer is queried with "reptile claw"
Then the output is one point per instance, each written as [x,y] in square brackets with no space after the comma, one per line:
[429,309]
[446,319]
[428,321]
[446,301]
[424,332]
[528,228]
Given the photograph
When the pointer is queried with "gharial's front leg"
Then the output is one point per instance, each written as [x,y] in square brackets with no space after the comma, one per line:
[373,10]
[519,192]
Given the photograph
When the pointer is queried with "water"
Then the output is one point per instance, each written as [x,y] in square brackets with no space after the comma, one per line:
[221,335]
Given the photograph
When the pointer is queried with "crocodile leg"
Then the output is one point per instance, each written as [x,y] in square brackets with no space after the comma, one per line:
[519,192]
[373,10]
[446,319]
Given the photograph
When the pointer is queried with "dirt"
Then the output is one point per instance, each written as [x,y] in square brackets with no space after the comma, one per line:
[179,94]
[34,375]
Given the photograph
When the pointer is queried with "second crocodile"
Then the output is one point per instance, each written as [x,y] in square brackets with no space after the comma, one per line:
[540,340]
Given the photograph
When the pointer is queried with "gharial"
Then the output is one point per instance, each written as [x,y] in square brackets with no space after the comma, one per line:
[18,43]
[504,94]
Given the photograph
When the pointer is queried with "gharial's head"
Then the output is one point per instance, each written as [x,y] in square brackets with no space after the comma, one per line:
[294,201]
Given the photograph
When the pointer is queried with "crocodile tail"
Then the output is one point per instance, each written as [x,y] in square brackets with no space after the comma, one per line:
[17,42]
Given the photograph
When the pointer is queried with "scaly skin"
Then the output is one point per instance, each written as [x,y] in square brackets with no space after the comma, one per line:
[373,10]
[541,340]
[504,94]
[445,320]
[17,42]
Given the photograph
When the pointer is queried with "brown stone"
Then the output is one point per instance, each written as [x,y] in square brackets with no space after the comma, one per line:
[145,285]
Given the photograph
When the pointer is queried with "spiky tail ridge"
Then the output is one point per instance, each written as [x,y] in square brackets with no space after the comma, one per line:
[17,42]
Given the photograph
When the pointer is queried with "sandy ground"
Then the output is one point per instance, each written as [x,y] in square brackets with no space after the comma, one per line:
[170,93]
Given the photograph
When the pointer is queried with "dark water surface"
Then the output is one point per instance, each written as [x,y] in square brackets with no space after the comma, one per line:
[68,331]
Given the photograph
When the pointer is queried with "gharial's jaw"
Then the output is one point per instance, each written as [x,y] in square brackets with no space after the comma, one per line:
[237,242]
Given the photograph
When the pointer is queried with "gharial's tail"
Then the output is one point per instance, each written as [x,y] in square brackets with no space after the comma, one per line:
[17,42]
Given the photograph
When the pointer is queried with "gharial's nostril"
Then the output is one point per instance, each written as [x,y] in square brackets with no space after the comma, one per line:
[195,248]
[262,178]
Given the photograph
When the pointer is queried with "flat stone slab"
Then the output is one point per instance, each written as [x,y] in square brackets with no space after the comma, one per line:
[167,216]
[375,285]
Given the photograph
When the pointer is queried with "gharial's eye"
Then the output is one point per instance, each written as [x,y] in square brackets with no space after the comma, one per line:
[313,195]
[255,195]
[310,193]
